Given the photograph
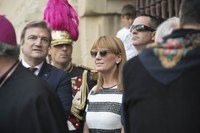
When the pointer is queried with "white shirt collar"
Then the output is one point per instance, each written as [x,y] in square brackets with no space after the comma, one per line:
[39,66]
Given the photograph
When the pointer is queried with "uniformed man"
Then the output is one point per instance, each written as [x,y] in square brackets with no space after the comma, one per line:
[65,31]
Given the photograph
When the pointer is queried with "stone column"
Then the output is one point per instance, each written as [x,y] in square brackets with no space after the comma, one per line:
[97,18]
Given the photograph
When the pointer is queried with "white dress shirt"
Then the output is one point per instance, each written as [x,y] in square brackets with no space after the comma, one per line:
[26,65]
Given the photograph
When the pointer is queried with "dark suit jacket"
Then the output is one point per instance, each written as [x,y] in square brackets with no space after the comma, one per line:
[60,82]
[28,106]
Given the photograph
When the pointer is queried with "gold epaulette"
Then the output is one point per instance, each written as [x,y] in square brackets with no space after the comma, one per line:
[93,73]
[83,67]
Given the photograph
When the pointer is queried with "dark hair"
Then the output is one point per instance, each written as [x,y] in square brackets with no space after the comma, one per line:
[155,21]
[189,12]
[11,51]
[36,24]
[129,10]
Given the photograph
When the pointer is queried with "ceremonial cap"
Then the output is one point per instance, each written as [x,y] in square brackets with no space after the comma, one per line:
[63,20]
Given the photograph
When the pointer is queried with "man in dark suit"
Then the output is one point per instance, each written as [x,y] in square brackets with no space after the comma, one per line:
[27,104]
[35,42]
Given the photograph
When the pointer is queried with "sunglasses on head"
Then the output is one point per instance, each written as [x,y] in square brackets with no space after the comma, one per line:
[141,27]
[102,52]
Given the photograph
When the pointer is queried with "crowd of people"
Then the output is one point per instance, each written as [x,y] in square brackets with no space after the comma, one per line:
[145,78]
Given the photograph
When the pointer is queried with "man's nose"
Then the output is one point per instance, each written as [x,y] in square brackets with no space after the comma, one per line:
[134,31]
[38,41]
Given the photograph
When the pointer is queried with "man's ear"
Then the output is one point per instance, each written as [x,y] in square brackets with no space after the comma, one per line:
[153,36]
[49,51]
[22,42]
[21,45]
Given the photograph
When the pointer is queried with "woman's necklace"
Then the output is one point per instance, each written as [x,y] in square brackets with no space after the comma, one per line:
[108,87]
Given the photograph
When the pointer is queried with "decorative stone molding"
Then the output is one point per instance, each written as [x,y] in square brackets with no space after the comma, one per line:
[100,7]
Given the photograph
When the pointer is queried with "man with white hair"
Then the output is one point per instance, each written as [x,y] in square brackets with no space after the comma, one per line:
[166,28]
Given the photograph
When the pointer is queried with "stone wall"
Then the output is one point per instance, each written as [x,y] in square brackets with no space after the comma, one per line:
[97,17]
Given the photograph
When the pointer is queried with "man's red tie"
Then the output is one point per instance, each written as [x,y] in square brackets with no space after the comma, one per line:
[32,69]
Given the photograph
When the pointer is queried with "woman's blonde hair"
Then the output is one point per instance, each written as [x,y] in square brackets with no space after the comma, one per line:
[114,45]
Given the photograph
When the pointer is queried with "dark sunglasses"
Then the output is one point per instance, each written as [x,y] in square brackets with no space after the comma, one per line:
[102,52]
[141,27]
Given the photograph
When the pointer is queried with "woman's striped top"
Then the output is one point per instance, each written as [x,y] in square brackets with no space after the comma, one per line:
[104,111]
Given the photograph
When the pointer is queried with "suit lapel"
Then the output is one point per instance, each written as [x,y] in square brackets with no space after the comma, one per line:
[45,71]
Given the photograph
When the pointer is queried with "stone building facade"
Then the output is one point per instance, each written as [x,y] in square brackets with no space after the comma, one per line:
[97,17]
[161,8]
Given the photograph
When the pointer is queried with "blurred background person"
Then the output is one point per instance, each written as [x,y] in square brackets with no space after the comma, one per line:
[65,32]
[128,14]
[35,41]
[165,95]
[103,112]
[27,104]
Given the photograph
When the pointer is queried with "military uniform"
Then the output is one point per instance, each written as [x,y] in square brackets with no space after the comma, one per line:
[63,20]
[83,79]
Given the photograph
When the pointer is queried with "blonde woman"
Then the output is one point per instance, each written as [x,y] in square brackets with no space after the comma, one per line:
[103,112]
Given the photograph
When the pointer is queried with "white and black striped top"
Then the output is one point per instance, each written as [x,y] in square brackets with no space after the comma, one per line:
[104,111]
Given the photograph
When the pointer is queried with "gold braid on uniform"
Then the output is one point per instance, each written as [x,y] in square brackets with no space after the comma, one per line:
[69,67]
[75,109]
